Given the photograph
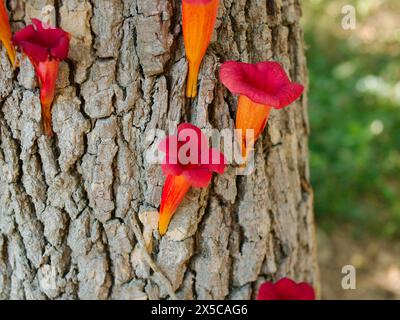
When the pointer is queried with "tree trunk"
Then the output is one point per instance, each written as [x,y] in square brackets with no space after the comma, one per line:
[77,210]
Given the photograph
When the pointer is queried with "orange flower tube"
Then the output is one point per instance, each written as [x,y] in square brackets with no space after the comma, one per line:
[6,35]
[286,289]
[198,21]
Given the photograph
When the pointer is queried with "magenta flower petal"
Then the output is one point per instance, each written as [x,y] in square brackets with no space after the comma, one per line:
[264,83]
[36,53]
[39,25]
[40,42]
[49,36]
[172,169]
[286,289]
[24,34]
[190,126]
[199,177]
[61,50]
[267,291]
[306,291]
[288,94]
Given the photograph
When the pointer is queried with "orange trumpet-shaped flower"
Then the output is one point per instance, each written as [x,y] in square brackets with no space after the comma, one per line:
[261,87]
[189,162]
[6,35]
[45,46]
[198,21]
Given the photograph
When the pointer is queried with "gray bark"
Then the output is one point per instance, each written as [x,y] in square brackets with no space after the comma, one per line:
[77,212]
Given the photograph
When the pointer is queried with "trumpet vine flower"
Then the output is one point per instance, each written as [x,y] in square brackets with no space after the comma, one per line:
[286,289]
[45,47]
[188,162]
[6,35]
[261,87]
[198,21]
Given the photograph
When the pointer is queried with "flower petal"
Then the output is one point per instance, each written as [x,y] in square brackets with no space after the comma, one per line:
[306,291]
[39,37]
[264,83]
[185,148]
[188,154]
[172,169]
[35,52]
[287,289]
[288,94]
[199,177]
[267,291]
[39,25]
[245,79]
[194,140]
[24,34]
[61,50]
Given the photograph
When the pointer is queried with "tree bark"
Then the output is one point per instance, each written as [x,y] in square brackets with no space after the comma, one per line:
[77,211]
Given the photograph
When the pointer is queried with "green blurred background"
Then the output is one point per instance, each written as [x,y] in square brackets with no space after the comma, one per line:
[354,107]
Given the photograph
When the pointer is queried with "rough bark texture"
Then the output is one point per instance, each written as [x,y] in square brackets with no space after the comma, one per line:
[77,211]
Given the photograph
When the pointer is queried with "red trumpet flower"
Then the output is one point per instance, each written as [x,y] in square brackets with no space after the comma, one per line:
[45,47]
[5,34]
[261,86]
[188,162]
[286,289]
[198,21]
